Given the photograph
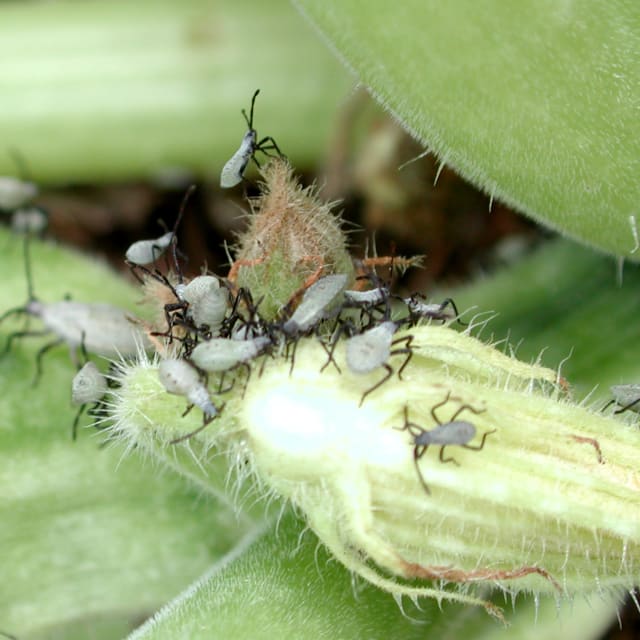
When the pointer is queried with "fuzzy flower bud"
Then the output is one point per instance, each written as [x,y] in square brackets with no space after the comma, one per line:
[293,238]
[538,495]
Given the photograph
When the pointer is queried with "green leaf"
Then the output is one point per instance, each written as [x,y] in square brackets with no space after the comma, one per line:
[111,90]
[284,587]
[578,307]
[536,102]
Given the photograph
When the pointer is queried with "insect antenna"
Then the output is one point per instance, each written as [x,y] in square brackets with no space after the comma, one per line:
[625,407]
[31,297]
[27,268]
[174,232]
[249,120]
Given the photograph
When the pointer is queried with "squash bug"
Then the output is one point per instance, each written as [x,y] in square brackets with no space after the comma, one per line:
[454,432]
[233,171]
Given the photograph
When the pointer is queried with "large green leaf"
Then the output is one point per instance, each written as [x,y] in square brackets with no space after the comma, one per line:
[104,91]
[537,102]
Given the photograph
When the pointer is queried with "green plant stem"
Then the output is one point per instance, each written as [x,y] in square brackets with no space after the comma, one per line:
[102,91]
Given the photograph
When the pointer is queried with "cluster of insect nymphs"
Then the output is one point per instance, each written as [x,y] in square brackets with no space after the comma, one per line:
[215,327]
[211,326]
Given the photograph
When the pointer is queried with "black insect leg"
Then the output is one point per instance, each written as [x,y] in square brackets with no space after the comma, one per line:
[22,334]
[191,433]
[244,113]
[293,342]
[418,452]
[467,407]
[261,146]
[414,429]
[13,312]
[449,302]
[346,327]
[449,459]
[478,447]
[437,406]
[246,382]
[39,356]
[330,359]
[406,349]
[205,423]
[626,407]
[377,384]
[76,421]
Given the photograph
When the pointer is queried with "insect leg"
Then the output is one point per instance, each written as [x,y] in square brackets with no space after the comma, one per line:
[329,349]
[253,157]
[346,328]
[626,407]
[39,356]
[606,406]
[187,410]
[377,384]
[437,406]
[244,113]
[169,310]
[293,353]
[406,349]
[205,423]
[462,408]
[222,390]
[478,447]
[246,382]
[406,425]
[13,312]
[414,429]
[74,426]
[418,452]
[191,433]
[22,334]
[261,146]
[449,459]
[452,304]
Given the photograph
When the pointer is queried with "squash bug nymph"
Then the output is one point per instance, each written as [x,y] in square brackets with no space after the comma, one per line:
[233,171]
[372,348]
[454,432]
[99,328]
[88,386]
[181,378]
